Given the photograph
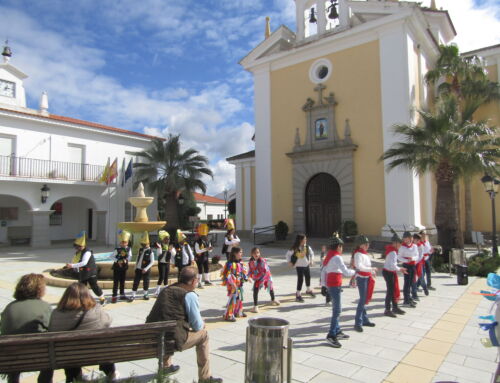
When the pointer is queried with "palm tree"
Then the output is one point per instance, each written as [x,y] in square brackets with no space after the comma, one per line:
[448,147]
[466,81]
[169,172]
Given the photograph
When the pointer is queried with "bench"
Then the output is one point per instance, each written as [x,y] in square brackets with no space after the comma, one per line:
[56,350]
[19,235]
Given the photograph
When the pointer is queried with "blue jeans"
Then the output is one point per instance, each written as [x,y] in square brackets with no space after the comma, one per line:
[361,317]
[336,309]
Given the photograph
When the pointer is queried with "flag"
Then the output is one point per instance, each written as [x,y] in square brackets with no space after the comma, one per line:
[113,171]
[128,172]
[105,174]
[123,173]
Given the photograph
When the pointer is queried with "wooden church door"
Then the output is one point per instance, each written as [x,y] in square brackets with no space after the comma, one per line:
[322,206]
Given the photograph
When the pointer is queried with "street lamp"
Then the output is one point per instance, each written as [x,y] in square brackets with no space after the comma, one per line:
[225,203]
[491,186]
[180,200]
[45,193]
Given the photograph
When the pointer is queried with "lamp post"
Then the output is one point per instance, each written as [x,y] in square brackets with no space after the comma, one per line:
[491,186]
[45,193]
[225,203]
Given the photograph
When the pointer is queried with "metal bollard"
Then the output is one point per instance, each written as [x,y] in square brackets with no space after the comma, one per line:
[268,353]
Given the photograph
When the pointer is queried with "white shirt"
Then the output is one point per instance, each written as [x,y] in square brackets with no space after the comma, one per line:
[391,261]
[139,261]
[235,241]
[172,254]
[301,262]
[335,265]
[199,251]
[362,262]
[84,261]
[427,249]
[187,254]
[408,254]
[420,252]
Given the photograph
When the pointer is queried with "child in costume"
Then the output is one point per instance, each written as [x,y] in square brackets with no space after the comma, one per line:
[202,249]
[390,274]
[234,274]
[166,255]
[365,282]
[145,260]
[331,278]
[427,259]
[419,267]
[259,271]
[408,255]
[184,256]
[123,255]
[84,263]
[230,239]
[301,257]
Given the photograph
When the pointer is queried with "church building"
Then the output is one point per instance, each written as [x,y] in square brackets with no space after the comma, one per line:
[326,97]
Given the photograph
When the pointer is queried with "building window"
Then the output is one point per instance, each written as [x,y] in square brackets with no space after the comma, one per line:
[210,216]
[320,71]
[9,213]
[56,216]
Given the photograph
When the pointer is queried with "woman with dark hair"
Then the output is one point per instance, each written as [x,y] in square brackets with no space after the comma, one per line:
[301,257]
[27,314]
[233,275]
[77,310]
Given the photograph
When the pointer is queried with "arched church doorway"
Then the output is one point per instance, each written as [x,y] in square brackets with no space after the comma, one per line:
[323,214]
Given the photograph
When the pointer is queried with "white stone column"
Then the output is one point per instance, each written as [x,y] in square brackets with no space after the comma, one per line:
[402,197]
[248,196]
[101,228]
[321,16]
[343,13]
[40,233]
[299,18]
[239,197]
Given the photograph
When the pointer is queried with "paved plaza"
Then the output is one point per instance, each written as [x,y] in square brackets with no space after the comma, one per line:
[437,341]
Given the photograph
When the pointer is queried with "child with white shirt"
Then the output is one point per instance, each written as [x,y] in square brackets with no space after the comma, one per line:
[419,267]
[427,259]
[408,255]
[145,260]
[390,274]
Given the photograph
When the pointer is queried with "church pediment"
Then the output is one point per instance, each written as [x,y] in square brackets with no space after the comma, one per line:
[13,71]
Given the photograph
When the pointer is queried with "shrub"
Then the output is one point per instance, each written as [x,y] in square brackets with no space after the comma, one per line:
[281,231]
[483,263]
[216,259]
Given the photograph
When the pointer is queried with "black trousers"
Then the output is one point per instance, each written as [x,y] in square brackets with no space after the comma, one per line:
[72,373]
[427,265]
[45,376]
[163,271]
[256,295]
[92,281]
[303,272]
[408,281]
[137,279]
[389,295]
[202,263]
[119,275]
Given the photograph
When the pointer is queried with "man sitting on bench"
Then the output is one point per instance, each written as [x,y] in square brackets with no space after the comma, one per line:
[178,302]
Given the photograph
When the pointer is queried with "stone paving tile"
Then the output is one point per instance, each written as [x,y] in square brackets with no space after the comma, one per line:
[484,365]
[372,362]
[440,377]
[473,374]
[455,358]
[334,366]
[326,377]
[303,372]
[423,359]
[433,346]
[405,373]
[368,375]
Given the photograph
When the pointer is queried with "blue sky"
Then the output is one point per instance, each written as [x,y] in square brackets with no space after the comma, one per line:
[168,66]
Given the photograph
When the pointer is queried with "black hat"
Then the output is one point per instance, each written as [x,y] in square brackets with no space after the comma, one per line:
[336,240]
[407,234]
[395,238]
[362,239]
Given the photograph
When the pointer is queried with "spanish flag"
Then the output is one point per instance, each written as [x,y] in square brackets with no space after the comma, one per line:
[105,174]
[113,171]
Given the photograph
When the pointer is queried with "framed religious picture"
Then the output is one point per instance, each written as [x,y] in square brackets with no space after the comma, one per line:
[321,129]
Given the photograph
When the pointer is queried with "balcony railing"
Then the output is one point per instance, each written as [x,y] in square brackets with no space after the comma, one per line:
[57,170]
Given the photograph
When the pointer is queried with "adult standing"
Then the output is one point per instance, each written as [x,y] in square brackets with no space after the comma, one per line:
[364,281]
[202,248]
[179,302]
[230,239]
[27,314]
[408,255]
[86,266]
[301,257]
[331,278]
[390,274]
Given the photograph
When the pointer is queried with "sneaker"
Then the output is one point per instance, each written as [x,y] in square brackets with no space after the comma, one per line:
[397,310]
[311,294]
[275,303]
[341,335]
[332,340]
[358,328]
[113,376]
[208,283]
[254,309]
[426,292]
[242,315]
[431,288]
[123,297]
[146,297]
[389,313]
[414,301]
[369,324]
[299,298]
[416,298]
[210,380]
[131,299]
[114,299]
[171,369]
[200,286]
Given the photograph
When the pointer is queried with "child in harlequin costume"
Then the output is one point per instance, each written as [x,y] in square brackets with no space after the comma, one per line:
[86,266]
[419,267]
[123,255]
[234,274]
[230,239]
[301,257]
[427,259]
[202,249]
[408,255]
[145,260]
[184,256]
[259,271]
[167,254]
[331,278]
[390,274]
[365,282]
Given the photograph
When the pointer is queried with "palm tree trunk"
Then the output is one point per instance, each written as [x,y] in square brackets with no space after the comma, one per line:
[468,209]
[446,212]
[171,211]
[460,234]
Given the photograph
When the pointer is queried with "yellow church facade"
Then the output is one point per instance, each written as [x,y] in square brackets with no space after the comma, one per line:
[326,98]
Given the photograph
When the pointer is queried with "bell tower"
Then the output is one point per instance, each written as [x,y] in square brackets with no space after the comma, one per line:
[314,18]
[11,81]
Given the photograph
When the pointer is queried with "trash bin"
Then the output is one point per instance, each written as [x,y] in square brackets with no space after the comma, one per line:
[462,274]
[268,354]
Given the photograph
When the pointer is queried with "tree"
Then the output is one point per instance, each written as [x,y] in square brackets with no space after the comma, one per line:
[169,172]
[447,146]
[465,80]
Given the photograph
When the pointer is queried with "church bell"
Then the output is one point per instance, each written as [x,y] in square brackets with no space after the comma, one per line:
[333,11]
[312,16]
[7,52]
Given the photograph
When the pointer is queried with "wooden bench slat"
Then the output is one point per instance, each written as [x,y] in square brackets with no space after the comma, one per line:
[103,346]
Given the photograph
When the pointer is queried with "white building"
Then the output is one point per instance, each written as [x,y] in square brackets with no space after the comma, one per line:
[67,155]
[211,207]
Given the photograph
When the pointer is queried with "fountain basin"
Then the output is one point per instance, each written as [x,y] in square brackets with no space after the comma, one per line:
[139,227]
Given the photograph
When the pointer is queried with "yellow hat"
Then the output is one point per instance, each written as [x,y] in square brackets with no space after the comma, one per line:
[202,229]
[180,236]
[230,224]
[123,236]
[162,234]
[145,238]
[80,239]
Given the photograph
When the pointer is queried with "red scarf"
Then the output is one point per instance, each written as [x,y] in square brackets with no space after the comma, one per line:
[330,255]
[390,248]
